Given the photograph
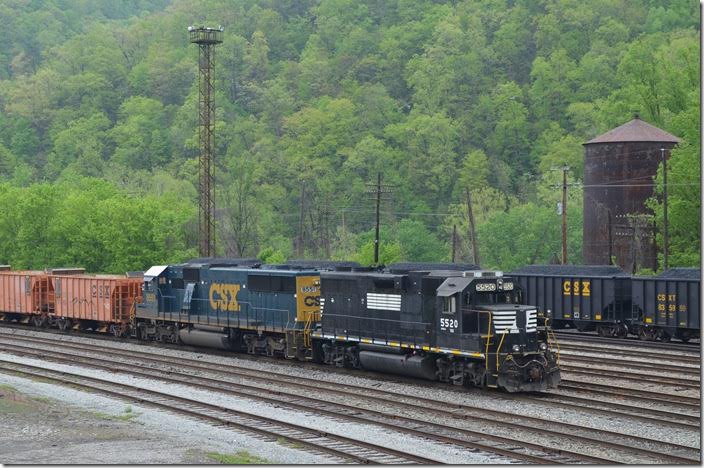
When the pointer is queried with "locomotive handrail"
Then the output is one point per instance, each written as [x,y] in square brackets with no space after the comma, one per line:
[498,349]
[551,334]
[488,339]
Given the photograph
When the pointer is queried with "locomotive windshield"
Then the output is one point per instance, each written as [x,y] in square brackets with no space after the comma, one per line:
[490,298]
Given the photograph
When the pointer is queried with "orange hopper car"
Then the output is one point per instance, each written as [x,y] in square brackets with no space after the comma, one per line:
[25,295]
[102,303]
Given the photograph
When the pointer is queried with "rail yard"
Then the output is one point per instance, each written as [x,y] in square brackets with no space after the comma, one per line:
[343,415]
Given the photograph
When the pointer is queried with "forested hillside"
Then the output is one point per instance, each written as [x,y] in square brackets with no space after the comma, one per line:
[99,145]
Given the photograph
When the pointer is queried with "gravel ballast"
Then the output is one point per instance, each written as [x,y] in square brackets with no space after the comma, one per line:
[487,400]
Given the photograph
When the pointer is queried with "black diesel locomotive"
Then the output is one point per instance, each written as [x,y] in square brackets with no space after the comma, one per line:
[464,327]
[607,300]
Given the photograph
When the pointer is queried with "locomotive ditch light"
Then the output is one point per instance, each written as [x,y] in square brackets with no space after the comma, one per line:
[516,348]
[543,347]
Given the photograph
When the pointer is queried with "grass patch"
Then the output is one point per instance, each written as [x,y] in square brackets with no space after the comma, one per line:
[240,458]
[127,415]
[7,388]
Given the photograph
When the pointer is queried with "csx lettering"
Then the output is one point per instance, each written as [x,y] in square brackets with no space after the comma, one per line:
[311,301]
[100,291]
[576,288]
[224,296]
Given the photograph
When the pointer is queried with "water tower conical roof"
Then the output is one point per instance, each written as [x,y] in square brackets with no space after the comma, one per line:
[635,130]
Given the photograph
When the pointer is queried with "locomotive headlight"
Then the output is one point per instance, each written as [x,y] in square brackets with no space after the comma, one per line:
[543,347]
[508,286]
[483,287]
[516,348]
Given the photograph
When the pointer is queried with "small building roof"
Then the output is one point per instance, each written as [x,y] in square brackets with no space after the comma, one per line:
[635,130]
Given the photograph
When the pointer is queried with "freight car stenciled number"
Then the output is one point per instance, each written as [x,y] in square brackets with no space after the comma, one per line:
[576,288]
[224,297]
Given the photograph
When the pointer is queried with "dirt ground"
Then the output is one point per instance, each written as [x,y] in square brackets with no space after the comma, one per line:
[38,430]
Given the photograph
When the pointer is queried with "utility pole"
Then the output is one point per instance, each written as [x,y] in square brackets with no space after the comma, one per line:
[664,206]
[300,247]
[205,38]
[454,241]
[376,232]
[564,214]
[378,190]
[472,231]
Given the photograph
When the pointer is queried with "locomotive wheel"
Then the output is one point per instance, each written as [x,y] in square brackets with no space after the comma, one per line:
[622,332]
[665,337]
[684,339]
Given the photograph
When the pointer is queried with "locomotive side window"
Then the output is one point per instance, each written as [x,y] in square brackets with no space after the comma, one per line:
[449,305]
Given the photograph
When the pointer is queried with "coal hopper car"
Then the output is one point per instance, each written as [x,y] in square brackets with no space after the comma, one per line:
[585,297]
[668,305]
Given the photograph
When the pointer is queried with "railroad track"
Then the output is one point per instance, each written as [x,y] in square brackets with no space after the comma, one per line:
[667,417]
[631,342]
[343,448]
[438,432]
[688,358]
[635,365]
[632,376]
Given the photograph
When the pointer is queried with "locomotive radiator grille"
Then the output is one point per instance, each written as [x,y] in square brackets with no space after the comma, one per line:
[531,321]
[384,301]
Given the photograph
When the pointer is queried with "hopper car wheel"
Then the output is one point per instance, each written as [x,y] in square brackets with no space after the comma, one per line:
[39,321]
[64,324]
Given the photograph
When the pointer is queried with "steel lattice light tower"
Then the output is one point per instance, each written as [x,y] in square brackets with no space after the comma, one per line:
[206,38]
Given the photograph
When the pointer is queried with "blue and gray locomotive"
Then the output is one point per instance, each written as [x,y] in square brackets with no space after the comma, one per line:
[462,327]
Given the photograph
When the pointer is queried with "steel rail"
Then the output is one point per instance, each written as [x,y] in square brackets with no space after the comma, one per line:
[599,441]
[343,411]
[339,446]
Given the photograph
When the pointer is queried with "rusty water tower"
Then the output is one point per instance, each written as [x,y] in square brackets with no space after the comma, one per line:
[619,167]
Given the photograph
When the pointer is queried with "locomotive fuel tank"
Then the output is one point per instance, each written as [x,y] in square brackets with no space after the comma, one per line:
[422,367]
[206,338]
